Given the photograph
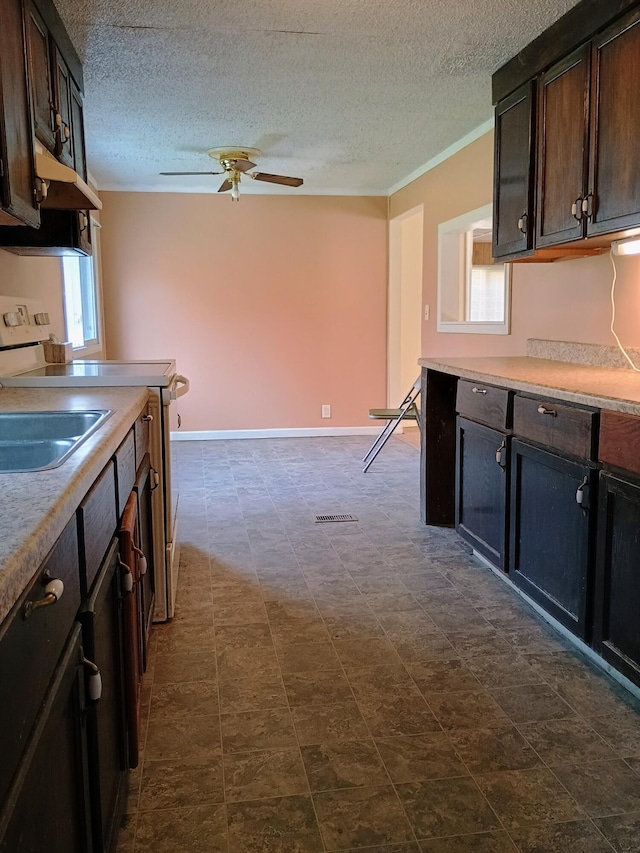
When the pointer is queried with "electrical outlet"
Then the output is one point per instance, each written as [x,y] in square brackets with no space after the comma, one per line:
[426,312]
[326,411]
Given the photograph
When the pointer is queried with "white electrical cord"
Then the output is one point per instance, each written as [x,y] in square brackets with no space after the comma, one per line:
[613,314]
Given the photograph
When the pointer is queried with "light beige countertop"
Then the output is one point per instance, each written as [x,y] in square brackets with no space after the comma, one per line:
[35,507]
[612,388]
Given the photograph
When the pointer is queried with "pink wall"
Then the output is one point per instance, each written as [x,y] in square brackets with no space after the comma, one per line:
[567,300]
[35,278]
[271,307]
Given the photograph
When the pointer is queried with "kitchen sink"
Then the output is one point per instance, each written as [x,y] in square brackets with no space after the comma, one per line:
[37,441]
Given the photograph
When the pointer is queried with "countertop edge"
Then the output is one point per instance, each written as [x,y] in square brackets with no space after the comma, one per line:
[503,376]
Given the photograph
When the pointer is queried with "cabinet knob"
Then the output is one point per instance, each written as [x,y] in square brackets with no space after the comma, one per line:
[52,593]
[542,410]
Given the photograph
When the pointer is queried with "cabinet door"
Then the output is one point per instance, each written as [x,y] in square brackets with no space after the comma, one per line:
[614,187]
[31,646]
[63,119]
[617,627]
[102,639]
[47,806]
[552,535]
[77,132]
[17,189]
[563,125]
[39,61]
[482,483]
[513,185]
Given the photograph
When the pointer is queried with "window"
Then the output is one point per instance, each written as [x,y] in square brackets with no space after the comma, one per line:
[473,291]
[81,283]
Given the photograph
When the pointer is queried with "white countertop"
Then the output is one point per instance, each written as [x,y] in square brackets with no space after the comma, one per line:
[35,507]
[617,389]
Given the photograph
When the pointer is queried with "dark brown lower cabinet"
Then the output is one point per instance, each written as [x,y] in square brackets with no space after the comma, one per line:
[552,541]
[47,807]
[482,488]
[617,601]
[102,638]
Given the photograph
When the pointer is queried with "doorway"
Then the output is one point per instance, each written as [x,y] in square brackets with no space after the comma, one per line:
[404,318]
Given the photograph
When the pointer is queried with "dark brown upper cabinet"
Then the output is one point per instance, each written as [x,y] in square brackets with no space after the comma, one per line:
[613,199]
[39,63]
[563,140]
[77,131]
[62,83]
[513,220]
[57,101]
[17,196]
[584,127]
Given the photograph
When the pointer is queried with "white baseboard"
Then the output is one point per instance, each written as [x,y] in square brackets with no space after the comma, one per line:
[304,432]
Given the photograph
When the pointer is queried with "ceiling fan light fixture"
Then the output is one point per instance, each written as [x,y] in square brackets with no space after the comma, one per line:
[235,191]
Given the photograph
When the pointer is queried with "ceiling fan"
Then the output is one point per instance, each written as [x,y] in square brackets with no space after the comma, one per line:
[236,162]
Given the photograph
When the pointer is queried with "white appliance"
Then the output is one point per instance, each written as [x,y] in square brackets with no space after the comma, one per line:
[23,322]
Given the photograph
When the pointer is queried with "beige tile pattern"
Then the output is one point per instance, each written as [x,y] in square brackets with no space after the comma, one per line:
[362,687]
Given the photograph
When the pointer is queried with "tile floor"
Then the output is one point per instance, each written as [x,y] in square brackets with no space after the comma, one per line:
[363,686]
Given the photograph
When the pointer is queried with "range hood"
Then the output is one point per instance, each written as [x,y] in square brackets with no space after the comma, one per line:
[61,187]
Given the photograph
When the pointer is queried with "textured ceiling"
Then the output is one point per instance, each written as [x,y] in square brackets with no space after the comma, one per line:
[351,95]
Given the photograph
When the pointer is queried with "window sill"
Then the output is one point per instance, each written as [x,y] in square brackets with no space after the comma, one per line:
[86,352]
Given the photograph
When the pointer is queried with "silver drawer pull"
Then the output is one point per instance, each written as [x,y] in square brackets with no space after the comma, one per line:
[542,410]
[142,560]
[499,453]
[147,419]
[94,682]
[580,491]
[52,593]
[477,390]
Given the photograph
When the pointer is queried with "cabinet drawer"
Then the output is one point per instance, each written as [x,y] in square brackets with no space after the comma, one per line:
[141,431]
[96,525]
[620,440]
[484,403]
[30,648]
[125,470]
[570,429]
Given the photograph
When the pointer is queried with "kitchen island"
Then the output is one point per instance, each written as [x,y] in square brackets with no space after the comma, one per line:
[536,463]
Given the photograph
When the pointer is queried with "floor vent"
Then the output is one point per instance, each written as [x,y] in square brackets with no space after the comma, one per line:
[325,519]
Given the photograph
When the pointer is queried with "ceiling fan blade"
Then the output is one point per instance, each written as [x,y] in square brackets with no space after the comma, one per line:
[277,179]
[225,186]
[191,173]
[243,165]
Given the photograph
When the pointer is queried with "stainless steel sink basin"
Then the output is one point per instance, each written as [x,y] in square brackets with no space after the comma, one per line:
[37,441]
